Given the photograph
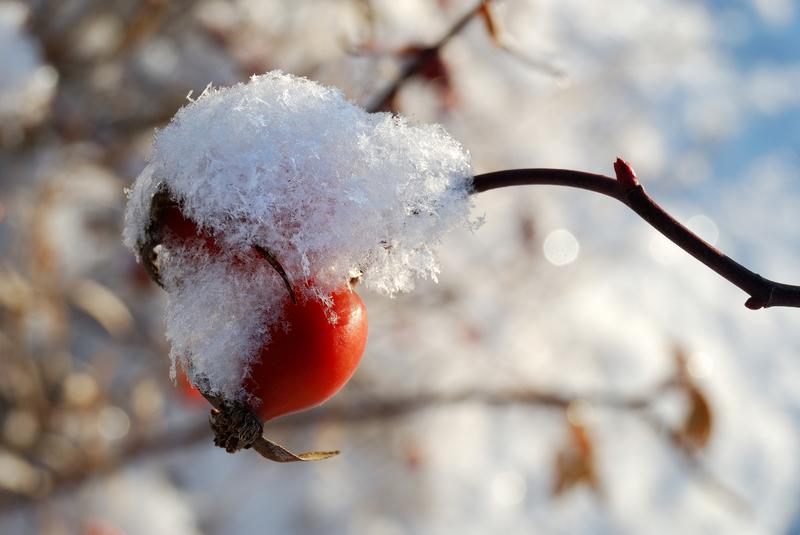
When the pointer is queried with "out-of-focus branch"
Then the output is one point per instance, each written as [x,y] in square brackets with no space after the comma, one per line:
[382,411]
[378,410]
[421,60]
[689,456]
[426,57]
[626,188]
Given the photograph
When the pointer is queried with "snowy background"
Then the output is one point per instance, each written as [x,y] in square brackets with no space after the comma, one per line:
[571,372]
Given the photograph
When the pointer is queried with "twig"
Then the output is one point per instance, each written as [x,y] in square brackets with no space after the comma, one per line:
[626,188]
[364,412]
[689,456]
[425,56]
[421,60]
[381,411]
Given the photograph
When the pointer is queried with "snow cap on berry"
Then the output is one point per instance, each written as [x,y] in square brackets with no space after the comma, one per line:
[329,189]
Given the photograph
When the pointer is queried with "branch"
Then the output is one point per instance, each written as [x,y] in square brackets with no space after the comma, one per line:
[381,411]
[421,60]
[367,412]
[626,189]
[732,498]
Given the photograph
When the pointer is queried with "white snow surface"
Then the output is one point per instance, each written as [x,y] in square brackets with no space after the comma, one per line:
[331,190]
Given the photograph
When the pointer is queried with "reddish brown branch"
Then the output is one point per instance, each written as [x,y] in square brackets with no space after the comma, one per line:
[421,60]
[626,189]
[375,411]
[381,411]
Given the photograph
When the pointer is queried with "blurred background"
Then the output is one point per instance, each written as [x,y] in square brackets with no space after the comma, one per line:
[571,372]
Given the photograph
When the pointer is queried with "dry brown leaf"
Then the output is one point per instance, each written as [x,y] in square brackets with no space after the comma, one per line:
[575,463]
[491,25]
[696,430]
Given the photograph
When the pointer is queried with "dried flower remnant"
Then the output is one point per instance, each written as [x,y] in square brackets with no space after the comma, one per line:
[291,166]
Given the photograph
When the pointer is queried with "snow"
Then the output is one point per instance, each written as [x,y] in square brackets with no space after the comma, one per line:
[696,97]
[330,190]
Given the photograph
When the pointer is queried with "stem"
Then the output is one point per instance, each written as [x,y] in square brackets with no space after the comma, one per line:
[626,189]
[425,56]
[237,420]
[382,411]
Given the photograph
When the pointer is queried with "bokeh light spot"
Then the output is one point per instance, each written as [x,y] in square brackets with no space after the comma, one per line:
[704,227]
[508,489]
[80,389]
[113,423]
[561,247]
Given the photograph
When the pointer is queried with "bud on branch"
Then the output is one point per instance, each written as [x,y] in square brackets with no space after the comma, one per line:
[626,188]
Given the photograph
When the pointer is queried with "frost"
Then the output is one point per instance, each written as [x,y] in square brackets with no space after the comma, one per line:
[328,188]
[218,314]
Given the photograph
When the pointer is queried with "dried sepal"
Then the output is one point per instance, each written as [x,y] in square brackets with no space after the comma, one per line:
[275,452]
[146,247]
[234,425]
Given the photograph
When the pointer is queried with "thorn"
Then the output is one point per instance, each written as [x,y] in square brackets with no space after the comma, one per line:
[625,174]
